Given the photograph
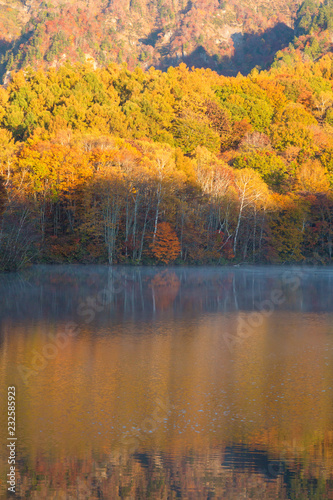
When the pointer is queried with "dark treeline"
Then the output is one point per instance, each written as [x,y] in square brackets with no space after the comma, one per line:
[113,166]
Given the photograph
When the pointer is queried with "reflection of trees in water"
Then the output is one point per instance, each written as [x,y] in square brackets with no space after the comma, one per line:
[229,473]
[164,286]
[57,291]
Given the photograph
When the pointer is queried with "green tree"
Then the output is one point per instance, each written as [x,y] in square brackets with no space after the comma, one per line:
[271,167]
[192,130]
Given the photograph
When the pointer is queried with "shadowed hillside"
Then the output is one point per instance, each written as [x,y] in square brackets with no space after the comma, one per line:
[228,36]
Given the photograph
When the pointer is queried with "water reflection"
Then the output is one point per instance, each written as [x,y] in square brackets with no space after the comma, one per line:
[147,400]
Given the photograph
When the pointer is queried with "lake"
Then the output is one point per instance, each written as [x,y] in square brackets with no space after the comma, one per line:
[165,383]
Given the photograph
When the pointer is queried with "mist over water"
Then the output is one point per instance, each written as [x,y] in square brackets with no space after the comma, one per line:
[169,382]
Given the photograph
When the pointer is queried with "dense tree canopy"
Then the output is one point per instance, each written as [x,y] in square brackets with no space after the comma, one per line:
[112,165]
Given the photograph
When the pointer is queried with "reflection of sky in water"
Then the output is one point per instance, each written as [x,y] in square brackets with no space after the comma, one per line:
[168,345]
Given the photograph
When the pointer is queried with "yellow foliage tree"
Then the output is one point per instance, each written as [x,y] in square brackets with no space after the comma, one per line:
[312,177]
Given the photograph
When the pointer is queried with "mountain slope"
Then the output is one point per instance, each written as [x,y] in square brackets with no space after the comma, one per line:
[228,36]
[313,34]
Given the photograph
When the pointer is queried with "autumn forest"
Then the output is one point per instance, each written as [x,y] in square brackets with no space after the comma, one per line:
[184,166]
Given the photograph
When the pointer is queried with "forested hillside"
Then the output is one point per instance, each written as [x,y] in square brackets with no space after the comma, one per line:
[112,165]
[229,36]
[225,35]
[313,33]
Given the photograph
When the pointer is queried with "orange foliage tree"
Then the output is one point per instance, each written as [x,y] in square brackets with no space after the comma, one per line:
[166,246]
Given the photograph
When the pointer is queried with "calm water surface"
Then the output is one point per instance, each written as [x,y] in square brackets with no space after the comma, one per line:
[194,383]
